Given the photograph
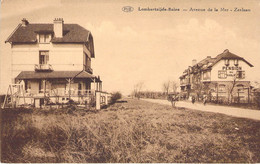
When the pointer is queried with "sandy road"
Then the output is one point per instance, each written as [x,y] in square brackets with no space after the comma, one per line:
[232,111]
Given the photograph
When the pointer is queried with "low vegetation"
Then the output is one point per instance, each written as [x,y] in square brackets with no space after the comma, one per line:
[132,131]
[115,96]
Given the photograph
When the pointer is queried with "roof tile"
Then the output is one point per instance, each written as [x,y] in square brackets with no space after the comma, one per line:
[26,75]
[73,33]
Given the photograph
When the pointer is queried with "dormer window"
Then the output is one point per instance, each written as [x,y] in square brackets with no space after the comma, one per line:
[44,38]
[227,62]
[236,62]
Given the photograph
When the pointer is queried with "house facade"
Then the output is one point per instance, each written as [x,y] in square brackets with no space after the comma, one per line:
[53,60]
[222,78]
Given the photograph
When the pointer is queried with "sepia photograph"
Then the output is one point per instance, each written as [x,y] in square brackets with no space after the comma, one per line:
[130,81]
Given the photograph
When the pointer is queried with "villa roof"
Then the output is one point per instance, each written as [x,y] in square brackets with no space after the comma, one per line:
[228,55]
[72,33]
[26,75]
[209,62]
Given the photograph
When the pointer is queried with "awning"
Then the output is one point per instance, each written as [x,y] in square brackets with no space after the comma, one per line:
[27,75]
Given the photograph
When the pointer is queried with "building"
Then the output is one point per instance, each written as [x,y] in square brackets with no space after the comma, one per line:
[223,78]
[53,60]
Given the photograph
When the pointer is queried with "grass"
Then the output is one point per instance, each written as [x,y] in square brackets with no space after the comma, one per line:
[134,131]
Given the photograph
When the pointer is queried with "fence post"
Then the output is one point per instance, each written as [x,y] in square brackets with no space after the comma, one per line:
[98,94]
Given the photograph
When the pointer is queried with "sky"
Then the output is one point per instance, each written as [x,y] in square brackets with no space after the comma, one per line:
[144,46]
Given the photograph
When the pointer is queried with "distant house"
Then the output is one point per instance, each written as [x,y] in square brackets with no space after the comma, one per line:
[223,78]
[53,59]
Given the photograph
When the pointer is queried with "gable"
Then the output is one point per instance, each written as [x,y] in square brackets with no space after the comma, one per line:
[229,56]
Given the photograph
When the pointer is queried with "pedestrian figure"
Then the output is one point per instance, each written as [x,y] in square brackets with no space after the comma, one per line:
[172,99]
[193,99]
[205,99]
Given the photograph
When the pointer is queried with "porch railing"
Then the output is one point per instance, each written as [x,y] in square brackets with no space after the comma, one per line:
[43,67]
[89,98]
[57,92]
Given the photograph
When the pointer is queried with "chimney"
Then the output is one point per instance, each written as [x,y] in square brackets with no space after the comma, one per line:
[24,22]
[194,61]
[58,27]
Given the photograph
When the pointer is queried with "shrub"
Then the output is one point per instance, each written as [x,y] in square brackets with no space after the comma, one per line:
[257,99]
[2,97]
[115,96]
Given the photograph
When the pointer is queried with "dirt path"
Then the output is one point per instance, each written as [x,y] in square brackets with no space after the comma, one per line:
[232,111]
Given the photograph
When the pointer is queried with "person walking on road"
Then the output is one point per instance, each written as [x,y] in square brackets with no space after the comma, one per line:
[193,99]
[172,98]
[205,99]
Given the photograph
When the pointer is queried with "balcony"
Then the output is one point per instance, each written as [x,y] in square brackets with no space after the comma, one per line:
[185,82]
[43,67]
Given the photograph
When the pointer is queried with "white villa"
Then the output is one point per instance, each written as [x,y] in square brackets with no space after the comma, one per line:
[222,77]
[53,60]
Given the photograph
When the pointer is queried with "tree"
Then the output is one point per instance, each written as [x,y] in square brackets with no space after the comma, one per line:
[256,93]
[175,86]
[231,87]
[197,87]
[166,87]
[137,89]
[170,86]
[200,88]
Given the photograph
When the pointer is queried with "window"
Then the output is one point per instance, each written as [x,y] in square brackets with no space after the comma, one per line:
[41,86]
[240,74]
[44,38]
[44,57]
[27,85]
[227,62]
[222,74]
[222,88]
[236,62]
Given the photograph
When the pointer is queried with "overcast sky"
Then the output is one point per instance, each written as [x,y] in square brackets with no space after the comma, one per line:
[144,46]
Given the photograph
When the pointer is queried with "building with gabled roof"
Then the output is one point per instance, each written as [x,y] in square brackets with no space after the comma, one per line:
[53,59]
[222,78]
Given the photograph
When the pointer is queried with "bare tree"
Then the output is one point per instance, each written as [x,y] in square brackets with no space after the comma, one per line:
[231,87]
[137,89]
[166,87]
[170,86]
[174,86]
